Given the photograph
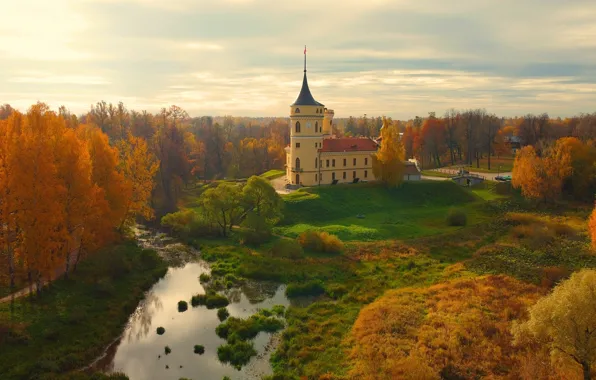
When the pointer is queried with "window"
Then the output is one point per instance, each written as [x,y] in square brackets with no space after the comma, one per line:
[333,162]
[354,162]
[327,163]
[321,163]
[366,174]
[297,163]
[316,179]
[297,110]
[316,145]
[316,162]
[365,161]
[297,145]
[297,127]
[316,126]
[353,174]
[344,175]
[333,176]
[345,162]
[321,177]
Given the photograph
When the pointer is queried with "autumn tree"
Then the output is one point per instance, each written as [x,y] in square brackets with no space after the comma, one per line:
[565,320]
[139,167]
[541,177]
[433,134]
[388,162]
[582,179]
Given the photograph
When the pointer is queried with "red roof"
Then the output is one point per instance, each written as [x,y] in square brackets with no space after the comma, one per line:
[348,144]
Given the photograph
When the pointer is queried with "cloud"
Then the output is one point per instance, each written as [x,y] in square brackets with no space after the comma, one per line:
[244,57]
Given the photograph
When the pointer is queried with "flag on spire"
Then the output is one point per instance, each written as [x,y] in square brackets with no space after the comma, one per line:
[304,49]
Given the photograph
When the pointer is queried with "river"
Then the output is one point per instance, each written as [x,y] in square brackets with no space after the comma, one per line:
[139,351]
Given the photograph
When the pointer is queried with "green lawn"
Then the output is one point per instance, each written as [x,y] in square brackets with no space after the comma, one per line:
[74,319]
[415,209]
[505,163]
[273,174]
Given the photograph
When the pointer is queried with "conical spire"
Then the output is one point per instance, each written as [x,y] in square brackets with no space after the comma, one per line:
[305,98]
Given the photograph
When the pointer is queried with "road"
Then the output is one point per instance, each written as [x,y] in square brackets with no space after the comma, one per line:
[488,176]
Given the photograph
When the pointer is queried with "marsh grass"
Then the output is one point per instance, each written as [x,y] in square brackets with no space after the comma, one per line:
[68,325]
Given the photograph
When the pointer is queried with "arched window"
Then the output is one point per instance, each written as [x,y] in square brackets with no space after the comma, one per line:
[297,163]
[316,126]
[297,110]
[316,162]
[297,127]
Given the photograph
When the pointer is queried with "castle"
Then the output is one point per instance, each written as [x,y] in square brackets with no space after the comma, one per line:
[315,156]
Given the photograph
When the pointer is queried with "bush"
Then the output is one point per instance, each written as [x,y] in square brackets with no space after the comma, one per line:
[536,236]
[562,229]
[311,288]
[204,277]
[320,241]
[189,223]
[244,329]
[237,354]
[223,314]
[456,218]
[211,300]
[199,349]
[167,350]
[161,330]
[279,310]
[287,248]
[182,306]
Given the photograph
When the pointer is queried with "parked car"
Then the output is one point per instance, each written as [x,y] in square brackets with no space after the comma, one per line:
[503,178]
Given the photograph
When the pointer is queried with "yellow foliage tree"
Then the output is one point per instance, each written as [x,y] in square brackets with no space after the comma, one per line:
[565,320]
[388,162]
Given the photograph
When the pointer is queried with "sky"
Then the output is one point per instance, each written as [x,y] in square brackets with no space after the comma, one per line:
[398,58]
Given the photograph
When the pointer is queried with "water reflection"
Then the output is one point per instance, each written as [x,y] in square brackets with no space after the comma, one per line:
[139,324]
[140,352]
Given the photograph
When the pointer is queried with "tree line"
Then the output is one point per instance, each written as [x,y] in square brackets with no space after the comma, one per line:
[467,136]
[65,192]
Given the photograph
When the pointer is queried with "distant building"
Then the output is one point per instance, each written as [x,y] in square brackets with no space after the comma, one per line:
[316,157]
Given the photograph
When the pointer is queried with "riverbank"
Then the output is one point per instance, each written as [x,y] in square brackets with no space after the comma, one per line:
[74,319]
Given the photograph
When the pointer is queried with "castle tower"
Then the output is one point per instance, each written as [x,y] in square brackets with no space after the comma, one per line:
[306,137]
[328,123]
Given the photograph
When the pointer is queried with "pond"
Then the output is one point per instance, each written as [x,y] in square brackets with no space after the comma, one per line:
[139,351]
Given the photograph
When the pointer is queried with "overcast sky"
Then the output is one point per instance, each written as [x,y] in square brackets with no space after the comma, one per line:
[399,58]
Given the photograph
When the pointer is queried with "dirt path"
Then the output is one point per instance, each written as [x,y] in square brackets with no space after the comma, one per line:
[58,272]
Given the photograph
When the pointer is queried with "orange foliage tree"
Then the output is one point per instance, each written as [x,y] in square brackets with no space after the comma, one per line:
[541,177]
[63,191]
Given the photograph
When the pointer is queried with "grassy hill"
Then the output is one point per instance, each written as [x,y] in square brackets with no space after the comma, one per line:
[414,209]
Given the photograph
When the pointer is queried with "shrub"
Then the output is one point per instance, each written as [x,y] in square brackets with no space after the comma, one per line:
[222,314]
[279,310]
[211,300]
[336,291]
[188,223]
[517,218]
[167,350]
[456,218]
[237,354]
[104,288]
[199,349]
[244,329]
[320,241]
[311,288]
[161,330]
[536,236]
[182,306]
[204,277]
[287,248]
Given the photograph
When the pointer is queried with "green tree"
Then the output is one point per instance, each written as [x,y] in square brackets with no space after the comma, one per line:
[565,320]
[388,162]
[222,205]
[262,199]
